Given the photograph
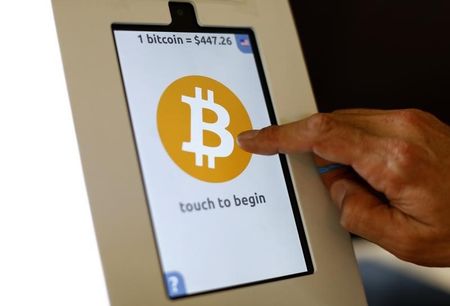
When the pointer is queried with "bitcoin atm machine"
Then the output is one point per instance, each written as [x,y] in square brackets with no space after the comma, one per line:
[159,92]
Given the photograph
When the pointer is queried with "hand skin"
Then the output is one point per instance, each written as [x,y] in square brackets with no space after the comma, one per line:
[403,154]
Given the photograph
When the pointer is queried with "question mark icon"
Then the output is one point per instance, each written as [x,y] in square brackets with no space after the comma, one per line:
[175,284]
[173,281]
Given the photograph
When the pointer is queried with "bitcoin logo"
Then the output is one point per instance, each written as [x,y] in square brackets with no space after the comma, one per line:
[198,120]
[198,126]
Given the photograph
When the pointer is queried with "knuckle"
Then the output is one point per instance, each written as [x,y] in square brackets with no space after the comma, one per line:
[405,154]
[321,122]
[412,116]
[400,165]
[416,124]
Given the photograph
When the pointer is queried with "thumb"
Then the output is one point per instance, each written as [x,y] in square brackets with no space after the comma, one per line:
[363,214]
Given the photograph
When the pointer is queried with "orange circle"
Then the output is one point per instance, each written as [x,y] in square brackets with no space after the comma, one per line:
[174,127]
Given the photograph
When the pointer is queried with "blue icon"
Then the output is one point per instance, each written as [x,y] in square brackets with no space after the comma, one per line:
[243,42]
[175,284]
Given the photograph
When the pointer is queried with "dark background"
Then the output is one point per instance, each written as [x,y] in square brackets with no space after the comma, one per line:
[377,54]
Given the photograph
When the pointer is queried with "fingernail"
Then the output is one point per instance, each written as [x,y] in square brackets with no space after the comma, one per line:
[338,191]
[247,135]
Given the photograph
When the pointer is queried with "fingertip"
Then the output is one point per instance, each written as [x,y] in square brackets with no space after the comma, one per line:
[246,139]
[247,136]
[338,191]
[273,139]
[258,141]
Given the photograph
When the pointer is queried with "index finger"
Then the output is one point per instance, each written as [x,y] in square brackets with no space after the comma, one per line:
[319,132]
[329,138]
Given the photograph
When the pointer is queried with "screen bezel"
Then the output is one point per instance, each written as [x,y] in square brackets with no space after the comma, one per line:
[194,28]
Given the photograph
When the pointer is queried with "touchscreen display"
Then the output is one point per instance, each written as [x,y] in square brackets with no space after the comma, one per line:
[221,217]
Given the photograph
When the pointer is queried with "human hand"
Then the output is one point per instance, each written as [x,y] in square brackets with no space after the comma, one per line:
[403,155]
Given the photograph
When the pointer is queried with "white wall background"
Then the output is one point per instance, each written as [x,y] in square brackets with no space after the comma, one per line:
[48,252]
